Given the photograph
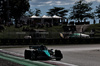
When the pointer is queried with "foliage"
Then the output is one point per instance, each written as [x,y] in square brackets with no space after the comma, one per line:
[18,8]
[98,11]
[81,10]
[59,11]
[10,32]
[93,26]
[29,13]
[37,12]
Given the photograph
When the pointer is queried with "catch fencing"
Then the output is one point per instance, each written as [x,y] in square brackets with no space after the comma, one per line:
[49,41]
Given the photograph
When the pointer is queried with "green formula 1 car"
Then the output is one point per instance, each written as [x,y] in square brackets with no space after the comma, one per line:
[40,52]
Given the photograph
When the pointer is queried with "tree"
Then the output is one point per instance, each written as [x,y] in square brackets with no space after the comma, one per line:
[59,11]
[18,8]
[81,10]
[4,10]
[98,11]
[37,12]
[29,13]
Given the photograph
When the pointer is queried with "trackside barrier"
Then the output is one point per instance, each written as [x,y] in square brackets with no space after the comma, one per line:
[49,41]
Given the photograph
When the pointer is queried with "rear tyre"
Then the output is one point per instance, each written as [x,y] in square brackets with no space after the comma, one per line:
[33,55]
[58,55]
[27,54]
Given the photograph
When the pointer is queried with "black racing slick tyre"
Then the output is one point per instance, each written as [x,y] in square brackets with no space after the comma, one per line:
[33,55]
[27,54]
[58,55]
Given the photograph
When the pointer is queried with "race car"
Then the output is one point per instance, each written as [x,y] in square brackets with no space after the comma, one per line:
[40,52]
[78,35]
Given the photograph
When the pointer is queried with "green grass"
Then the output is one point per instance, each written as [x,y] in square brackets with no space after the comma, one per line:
[10,32]
[96,27]
[54,29]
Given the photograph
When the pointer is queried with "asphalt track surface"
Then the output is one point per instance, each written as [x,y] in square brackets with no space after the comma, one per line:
[79,55]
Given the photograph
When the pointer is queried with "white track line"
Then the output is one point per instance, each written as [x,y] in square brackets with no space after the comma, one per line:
[0,49]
